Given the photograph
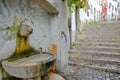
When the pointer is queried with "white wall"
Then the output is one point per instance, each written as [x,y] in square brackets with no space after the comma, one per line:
[73,26]
[47,29]
[40,36]
[97,12]
[112,14]
[59,24]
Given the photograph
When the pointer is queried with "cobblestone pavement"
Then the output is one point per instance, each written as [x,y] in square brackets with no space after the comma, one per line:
[97,56]
[79,73]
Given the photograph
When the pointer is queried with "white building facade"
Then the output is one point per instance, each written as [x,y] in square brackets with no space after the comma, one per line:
[92,12]
[113,10]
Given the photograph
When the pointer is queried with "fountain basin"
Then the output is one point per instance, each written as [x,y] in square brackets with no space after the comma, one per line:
[29,67]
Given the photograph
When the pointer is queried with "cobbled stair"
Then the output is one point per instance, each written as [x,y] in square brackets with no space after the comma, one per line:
[98,52]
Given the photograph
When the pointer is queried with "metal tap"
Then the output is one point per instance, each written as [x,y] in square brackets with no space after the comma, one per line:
[40,50]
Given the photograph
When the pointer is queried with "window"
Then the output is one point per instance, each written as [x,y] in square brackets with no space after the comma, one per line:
[112,7]
[116,9]
[115,0]
[118,4]
[88,14]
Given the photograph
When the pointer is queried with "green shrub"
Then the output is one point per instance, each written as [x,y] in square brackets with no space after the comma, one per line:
[93,22]
[74,44]
[85,28]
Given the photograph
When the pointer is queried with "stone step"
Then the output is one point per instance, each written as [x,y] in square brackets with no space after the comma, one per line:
[108,59]
[99,48]
[94,53]
[111,65]
[98,66]
[101,36]
[110,26]
[103,32]
[107,23]
[75,72]
[107,44]
[110,22]
[96,59]
[97,30]
[103,28]
[99,40]
[96,62]
[116,33]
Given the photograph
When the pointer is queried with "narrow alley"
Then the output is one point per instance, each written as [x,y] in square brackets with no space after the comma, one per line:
[97,55]
[59,39]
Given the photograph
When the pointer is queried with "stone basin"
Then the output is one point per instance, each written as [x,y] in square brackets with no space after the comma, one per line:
[29,67]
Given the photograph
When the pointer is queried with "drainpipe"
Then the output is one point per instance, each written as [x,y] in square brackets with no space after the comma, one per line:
[70,33]
[70,30]
[76,20]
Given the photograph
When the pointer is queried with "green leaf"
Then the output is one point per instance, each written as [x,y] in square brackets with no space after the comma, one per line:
[79,3]
[17,22]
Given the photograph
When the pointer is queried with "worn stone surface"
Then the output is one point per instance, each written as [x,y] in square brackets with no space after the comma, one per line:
[30,67]
[26,9]
[47,29]
[81,73]
[98,56]
[53,76]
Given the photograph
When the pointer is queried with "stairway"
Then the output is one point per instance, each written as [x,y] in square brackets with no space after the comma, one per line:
[98,49]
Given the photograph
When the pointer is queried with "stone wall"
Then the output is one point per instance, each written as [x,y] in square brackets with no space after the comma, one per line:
[48,29]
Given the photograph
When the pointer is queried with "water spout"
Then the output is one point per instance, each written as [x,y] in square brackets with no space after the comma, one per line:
[40,50]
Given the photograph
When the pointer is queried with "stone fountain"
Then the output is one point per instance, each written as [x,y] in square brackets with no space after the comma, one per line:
[27,63]
[48,18]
